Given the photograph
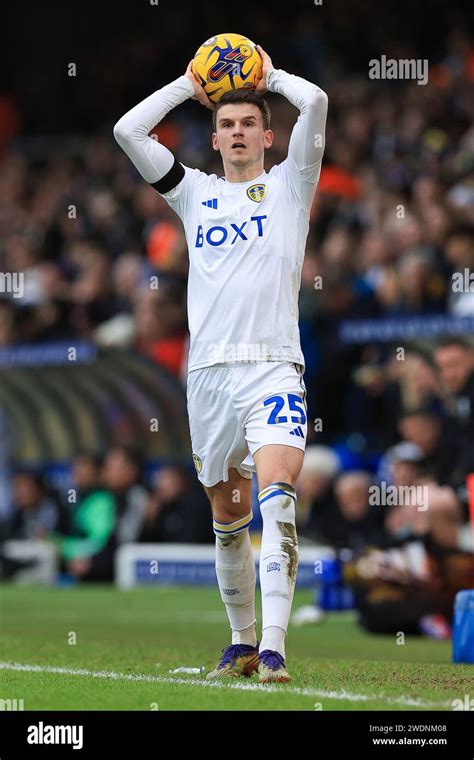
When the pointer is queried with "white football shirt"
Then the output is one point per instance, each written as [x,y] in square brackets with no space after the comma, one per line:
[246,243]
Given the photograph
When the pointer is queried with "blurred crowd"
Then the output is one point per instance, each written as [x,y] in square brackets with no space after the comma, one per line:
[342,500]
[392,225]
[109,503]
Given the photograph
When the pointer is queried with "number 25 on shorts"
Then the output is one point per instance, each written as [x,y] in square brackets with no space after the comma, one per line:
[295,404]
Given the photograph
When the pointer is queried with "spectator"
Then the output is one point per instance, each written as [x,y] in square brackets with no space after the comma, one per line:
[440,445]
[86,469]
[315,488]
[87,550]
[176,511]
[410,583]
[122,476]
[459,252]
[455,361]
[420,289]
[406,463]
[35,514]
[354,523]
[160,332]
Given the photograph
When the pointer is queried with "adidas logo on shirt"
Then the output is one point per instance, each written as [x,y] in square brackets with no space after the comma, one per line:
[211,204]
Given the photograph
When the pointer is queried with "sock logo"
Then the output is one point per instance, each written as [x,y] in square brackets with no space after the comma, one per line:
[230,591]
[273,566]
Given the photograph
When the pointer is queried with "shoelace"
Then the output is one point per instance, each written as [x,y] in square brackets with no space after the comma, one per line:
[271,659]
[233,651]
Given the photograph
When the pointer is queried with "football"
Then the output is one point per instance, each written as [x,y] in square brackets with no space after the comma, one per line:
[227,62]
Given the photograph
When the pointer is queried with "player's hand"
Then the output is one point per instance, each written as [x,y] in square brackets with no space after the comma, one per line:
[199,92]
[266,68]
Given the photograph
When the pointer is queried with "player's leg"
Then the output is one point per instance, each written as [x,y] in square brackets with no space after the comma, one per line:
[276,435]
[235,571]
[225,422]
[278,467]
[219,446]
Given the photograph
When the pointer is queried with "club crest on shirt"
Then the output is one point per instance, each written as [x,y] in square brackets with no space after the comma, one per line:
[256,193]
[197,463]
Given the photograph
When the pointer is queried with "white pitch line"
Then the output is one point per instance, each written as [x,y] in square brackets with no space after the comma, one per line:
[264,688]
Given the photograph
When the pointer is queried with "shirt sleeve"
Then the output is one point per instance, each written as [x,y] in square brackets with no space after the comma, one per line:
[156,164]
[180,198]
[302,167]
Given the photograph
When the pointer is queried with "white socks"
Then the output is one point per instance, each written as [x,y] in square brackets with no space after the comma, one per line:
[278,563]
[235,570]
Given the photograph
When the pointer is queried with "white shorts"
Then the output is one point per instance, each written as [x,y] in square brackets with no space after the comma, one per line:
[235,409]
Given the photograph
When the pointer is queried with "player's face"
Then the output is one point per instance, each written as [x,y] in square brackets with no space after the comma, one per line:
[240,136]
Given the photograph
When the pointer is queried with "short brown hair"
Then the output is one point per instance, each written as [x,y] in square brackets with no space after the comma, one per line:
[244,96]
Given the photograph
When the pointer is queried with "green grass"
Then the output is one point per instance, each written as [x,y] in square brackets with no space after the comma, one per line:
[150,631]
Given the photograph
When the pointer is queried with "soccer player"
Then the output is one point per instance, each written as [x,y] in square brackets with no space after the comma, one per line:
[246,233]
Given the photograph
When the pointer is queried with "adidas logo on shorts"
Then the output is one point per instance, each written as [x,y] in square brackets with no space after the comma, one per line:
[297,431]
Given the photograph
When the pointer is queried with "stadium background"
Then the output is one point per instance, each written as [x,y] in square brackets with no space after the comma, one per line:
[386,280]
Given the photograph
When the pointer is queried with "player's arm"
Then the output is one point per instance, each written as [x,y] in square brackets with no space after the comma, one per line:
[307,139]
[156,164]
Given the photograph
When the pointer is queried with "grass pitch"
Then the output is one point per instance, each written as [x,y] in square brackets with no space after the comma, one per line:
[127,642]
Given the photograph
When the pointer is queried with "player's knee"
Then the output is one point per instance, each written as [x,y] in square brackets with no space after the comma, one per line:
[278,464]
[228,503]
[223,510]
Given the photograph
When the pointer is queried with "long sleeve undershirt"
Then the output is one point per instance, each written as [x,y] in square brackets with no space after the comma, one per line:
[154,160]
